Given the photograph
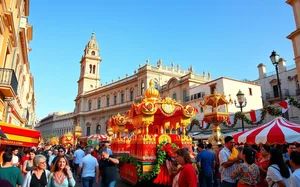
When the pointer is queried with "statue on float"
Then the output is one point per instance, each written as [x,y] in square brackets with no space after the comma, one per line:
[147,135]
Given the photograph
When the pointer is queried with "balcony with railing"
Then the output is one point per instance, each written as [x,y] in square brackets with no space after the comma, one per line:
[275,95]
[8,82]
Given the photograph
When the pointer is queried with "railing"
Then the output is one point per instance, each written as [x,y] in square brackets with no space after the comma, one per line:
[272,95]
[8,77]
[298,91]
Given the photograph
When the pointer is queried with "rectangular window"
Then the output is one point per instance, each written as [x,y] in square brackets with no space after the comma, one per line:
[107,101]
[122,98]
[195,96]
[115,99]
[131,95]
[212,89]
[90,106]
[192,97]
[250,91]
[88,131]
[275,91]
[174,96]
[184,98]
[99,104]
[199,95]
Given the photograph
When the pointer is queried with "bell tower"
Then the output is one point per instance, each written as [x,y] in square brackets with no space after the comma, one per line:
[89,67]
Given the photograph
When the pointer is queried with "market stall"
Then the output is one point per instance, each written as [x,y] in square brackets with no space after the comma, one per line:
[19,136]
[277,131]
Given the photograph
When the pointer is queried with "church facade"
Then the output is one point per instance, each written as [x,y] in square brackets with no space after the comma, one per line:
[96,103]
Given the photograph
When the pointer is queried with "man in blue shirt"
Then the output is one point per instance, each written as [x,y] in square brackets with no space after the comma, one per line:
[206,165]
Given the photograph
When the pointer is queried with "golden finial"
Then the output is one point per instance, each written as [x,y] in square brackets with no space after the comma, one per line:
[151,92]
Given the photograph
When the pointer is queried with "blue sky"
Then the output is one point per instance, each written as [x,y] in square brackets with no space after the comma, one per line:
[225,37]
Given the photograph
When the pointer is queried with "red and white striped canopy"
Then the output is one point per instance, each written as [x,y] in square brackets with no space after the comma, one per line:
[279,130]
[98,136]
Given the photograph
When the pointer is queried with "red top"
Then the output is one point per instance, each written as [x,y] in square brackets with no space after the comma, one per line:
[264,164]
[187,177]
[24,158]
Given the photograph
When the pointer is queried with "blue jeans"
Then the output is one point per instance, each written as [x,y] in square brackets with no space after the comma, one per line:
[88,181]
[206,178]
[110,184]
[76,166]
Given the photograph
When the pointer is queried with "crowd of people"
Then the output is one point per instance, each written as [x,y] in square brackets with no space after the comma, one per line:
[229,166]
[55,166]
[248,165]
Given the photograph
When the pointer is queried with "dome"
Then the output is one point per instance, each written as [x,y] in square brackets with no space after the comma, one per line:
[151,92]
[92,43]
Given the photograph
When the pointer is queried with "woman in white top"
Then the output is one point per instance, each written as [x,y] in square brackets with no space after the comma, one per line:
[278,173]
[38,177]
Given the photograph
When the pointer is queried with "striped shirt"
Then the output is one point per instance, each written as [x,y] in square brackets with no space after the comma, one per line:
[226,172]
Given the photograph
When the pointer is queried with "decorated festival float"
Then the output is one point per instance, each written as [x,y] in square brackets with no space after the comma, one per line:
[67,140]
[148,134]
[215,112]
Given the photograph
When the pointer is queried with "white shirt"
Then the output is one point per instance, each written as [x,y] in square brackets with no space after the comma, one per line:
[273,175]
[226,172]
[295,178]
[89,164]
[15,159]
[78,154]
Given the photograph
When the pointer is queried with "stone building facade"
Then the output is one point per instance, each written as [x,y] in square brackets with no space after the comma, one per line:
[96,103]
[17,97]
[56,124]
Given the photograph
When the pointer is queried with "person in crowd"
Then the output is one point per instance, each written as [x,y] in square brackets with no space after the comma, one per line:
[61,175]
[286,156]
[106,146]
[90,169]
[77,158]
[69,156]
[15,159]
[38,177]
[61,152]
[263,164]
[278,173]
[108,169]
[5,183]
[227,166]
[295,163]
[50,154]
[9,172]
[209,148]
[28,164]
[298,147]
[247,172]
[23,159]
[185,176]
[205,164]
[51,158]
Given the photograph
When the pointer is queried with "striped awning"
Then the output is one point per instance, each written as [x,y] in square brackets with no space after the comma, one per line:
[19,136]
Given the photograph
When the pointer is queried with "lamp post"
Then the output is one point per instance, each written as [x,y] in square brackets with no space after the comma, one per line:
[275,61]
[242,102]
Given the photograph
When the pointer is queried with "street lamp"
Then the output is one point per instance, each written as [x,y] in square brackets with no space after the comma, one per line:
[242,102]
[275,61]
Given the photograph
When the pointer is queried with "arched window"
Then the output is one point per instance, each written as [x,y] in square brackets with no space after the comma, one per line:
[131,95]
[107,101]
[93,52]
[122,98]
[90,106]
[94,69]
[90,68]
[98,129]
[99,103]
[142,87]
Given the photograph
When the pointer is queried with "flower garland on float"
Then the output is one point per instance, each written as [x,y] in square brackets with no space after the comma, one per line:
[165,151]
